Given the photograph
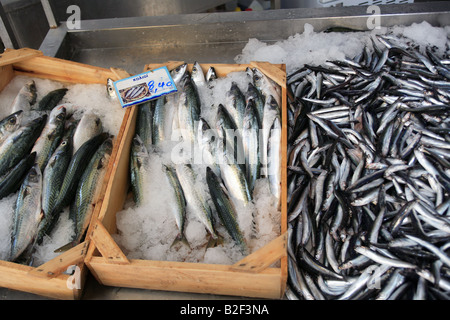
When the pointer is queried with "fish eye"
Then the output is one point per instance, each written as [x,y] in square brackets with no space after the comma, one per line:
[12,120]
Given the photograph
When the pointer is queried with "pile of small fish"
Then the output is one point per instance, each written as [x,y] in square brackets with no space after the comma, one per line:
[229,155]
[369,176]
[52,161]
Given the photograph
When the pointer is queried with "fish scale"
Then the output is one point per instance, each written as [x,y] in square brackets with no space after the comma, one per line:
[392,189]
[88,189]
[27,213]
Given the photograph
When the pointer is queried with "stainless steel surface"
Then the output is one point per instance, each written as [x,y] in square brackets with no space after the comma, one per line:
[105,9]
[130,43]
[49,14]
[28,22]
[7,36]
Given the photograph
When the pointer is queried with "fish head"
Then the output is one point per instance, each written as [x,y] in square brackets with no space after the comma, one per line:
[211,74]
[13,121]
[111,93]
[178,73]
[34,175]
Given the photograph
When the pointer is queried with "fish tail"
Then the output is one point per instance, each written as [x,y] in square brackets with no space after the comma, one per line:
[180,238]
[214,241]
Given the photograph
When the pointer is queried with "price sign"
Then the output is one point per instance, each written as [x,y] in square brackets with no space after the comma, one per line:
[144,87]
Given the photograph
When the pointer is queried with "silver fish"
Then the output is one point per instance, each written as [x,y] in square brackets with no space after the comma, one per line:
[196,197]
[25,98]
[27,213]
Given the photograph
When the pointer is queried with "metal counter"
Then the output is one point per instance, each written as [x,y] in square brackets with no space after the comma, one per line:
[130,43]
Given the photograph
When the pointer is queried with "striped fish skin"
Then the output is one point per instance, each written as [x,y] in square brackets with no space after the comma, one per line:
[158,121]
[370,171]
[75,169]
[188,110]
[195,197]
[50,100]
[179,208]
[234,179]
[10,124]
[50,137]
[27,213]
[235,105]
[250,141]
[139,161]
[274,159]
[271,111]
[144,122]
[11,182]
[225,209]
[53,178]
[89,126]
[254,94]
[20,143]
[89,189]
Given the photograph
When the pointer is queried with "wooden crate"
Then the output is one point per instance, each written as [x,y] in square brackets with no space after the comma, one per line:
[253,276]
[49,279]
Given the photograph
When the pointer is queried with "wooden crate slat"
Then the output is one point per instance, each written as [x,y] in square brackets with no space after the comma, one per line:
[13,56]
[253,276]
[264,257]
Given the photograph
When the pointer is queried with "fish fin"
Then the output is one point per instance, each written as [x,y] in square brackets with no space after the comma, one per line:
[180,238]
[214,241]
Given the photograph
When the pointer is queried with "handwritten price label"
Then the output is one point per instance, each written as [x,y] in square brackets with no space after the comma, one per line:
[144,87]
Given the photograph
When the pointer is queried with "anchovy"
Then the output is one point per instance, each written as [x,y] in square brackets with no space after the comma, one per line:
[376,199]
[11,181]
